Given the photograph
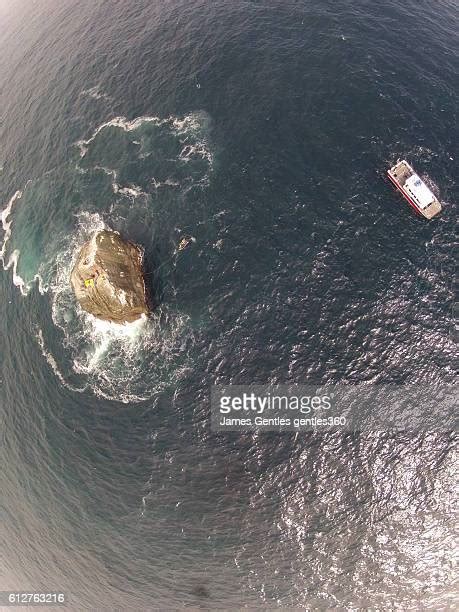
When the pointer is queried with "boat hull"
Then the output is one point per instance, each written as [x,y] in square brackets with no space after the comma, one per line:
[405,195]
[402,176]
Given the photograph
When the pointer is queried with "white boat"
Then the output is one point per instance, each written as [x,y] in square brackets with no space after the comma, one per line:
[414,189]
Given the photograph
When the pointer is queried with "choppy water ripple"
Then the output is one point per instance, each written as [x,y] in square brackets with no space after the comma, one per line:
[263,130]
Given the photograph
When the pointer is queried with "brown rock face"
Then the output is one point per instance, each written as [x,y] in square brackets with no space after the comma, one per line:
[108,278]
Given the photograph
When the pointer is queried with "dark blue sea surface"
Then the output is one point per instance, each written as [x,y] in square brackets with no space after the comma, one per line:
[262,129]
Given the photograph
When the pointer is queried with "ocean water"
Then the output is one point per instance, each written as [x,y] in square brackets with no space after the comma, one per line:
[262,129]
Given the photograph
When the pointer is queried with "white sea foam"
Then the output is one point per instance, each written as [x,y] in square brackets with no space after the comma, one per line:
[130,190]
[120,122]
[53,363]
[192,124]
[11,262]
[125,362]
[96,93]
[6,223]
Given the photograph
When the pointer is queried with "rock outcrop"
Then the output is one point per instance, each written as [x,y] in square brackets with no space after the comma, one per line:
[108,278]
